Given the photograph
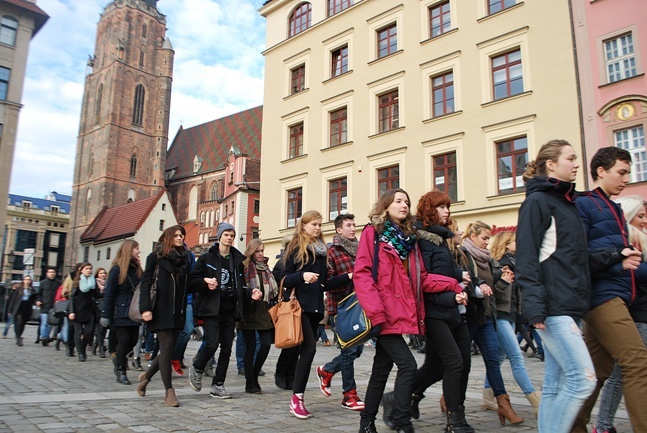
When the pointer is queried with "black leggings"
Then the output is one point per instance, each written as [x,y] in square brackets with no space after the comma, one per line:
[253,368]
[162,362]
[310,323]
[125,339]
[84,330]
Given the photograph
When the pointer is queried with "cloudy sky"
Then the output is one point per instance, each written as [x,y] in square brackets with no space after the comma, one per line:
[218,71]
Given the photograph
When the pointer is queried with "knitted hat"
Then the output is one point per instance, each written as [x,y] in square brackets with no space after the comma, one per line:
[223,227]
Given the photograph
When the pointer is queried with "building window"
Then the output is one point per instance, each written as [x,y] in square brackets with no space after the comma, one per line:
[387,40]
[8,30]
[336,6]
[388,118]
[163,206]
[97,107]
[161,227]
[439,19]
[442,90]
[494,6]
[338,127]
[138,105]
[620,58]
[108,251]
[141,58]
[226,210]
[633,140]
[214,192]
[340,61]
[507,74]
[133,166]
[26,204]
[511,158]
[86,254]
[257,206]
[337,197]
[295,203]
[54,209]
[388,178]
[143,30]
[298,79]
[231,211]
[4,82]
[300,19]
[255,233]
[98,255]
[25,239]
[445,178]
[296,140]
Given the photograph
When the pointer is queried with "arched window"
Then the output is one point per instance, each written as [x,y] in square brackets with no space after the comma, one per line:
[97,107]
[138,105]
[143,30]
[300,18]
[133,166]
[141,58]
[193,203]
[131,195]
[88,196]
[214,192]
[202,219]
[91,165]
[8,29]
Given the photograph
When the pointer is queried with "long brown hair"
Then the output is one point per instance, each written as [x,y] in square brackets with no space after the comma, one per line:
[167,238]
[250,249]
[122,259]
[301,240]
[548,152]
[75,283]
[379,214]
[427,212]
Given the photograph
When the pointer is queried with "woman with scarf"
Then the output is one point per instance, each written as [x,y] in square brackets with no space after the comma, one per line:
[481,314]
[82,308]
[167,268]
[305,269]
[99,331]
[125,273]
[20,306]
[256,318]
[392,298]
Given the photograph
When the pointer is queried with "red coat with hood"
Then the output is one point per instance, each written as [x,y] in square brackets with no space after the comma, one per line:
[395,302]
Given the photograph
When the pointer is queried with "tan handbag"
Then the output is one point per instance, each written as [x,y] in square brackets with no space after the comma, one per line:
[286,317]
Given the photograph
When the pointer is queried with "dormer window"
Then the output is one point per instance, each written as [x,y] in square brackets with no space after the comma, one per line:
[26,204]
[54,209]
[197,164]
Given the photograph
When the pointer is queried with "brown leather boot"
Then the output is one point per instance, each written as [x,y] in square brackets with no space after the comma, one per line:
[171,399]
[534,399]
[505,410]
[141,386]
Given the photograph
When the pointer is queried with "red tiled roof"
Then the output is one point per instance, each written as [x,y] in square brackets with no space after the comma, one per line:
[192,233]
[119,222]
[211,141]
[40,17]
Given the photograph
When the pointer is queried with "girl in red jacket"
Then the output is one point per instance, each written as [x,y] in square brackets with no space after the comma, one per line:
[393,302]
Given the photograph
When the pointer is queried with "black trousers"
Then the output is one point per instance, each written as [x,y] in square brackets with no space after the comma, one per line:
[20,319]
[83,335]
[253,368]
[218,331]
[390,349]
[126,338]
[448,357]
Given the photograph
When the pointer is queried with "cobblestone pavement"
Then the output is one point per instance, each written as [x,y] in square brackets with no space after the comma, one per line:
[43,390]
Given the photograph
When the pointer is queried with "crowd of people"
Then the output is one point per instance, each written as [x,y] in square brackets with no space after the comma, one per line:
[573,274]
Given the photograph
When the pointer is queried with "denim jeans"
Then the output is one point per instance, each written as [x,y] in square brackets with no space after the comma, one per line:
[612,390]
[8,325]
[45,328]
[569,376]
[486,339]
[241,349]
[185,335]
[64,330]
[345,362]
[509,347]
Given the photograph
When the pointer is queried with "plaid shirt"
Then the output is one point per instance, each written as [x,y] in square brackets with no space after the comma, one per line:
[340,263]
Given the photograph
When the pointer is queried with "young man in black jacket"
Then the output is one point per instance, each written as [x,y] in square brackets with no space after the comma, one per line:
[218,278]
[46,295]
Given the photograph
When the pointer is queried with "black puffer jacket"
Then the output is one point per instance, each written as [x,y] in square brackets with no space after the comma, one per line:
[310,296]
[507,296]
[117,297]
[552,266]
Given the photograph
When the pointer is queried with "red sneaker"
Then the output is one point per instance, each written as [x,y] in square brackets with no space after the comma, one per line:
[177,367]
[298,409]
[324,380]
[352,401]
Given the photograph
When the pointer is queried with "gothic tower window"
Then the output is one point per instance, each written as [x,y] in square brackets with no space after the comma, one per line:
[214,192]
[133,166]
[141,58]
[88,196]
[143,30]
[97,108]
[91,165]
[138,105]
[131,195]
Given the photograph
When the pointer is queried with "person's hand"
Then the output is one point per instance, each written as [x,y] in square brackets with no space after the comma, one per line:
[461,298]
[631,259]
[105,322]
[147,316]
[466,278]
[507,275]
[71,316]
[485,289]
[539,325]
[39,304]
[256,294]
[310,277]
[212,283]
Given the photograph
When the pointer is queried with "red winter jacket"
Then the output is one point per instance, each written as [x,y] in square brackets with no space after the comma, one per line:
[395,302]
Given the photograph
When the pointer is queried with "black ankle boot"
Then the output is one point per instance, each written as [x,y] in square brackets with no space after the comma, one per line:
[102,351]
[415,401]
[122,378]
[137,365]
[387,410]
[468,428]
[58,345]
[367,427]
[455,422]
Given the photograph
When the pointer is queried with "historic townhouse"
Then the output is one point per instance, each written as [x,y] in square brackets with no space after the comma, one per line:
[366,95]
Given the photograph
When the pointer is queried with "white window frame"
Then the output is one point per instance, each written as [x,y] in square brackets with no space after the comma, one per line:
[625,65]
[334,43]
[302,58]
[634,143]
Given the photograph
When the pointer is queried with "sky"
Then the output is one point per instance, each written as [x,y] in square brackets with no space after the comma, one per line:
[218,71]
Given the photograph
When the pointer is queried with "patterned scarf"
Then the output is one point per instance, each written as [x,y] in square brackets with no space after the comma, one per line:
[319,248]
[268,285]
[393,236]
[480,255]
[348,245]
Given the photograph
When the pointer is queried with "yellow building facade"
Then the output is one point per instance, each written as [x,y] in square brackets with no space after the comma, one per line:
[368,95]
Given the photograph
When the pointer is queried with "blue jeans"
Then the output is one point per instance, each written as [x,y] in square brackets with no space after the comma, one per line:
[612,390]
[321,333]
[240,349]
[345,362]
[509,347]
[486,339]
[45,328]
[8,325]
[185,335]
[64,330]
[569,375]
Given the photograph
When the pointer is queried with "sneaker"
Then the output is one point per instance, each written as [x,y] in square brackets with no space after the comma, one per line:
[352,401]
[177,368]
[195,379]
[367,427]
[298,409]
[219,391]
[324,380]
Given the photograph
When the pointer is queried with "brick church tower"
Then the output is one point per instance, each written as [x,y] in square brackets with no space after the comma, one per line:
[123,133]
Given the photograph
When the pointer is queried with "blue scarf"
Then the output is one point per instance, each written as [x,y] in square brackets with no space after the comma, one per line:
[86,283]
